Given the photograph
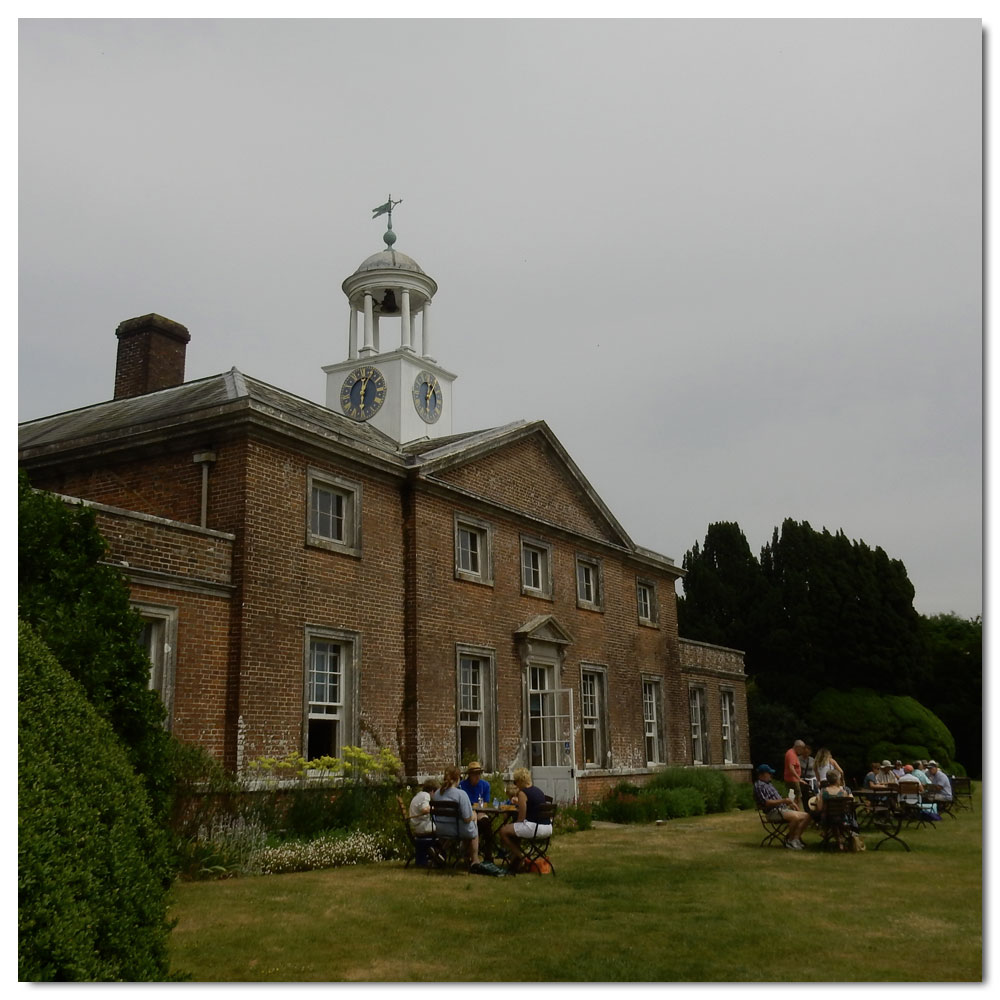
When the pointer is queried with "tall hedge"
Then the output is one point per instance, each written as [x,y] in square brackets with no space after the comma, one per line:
[860,726]
[91,859]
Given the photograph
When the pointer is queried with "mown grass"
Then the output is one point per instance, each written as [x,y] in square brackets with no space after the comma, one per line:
[693,900]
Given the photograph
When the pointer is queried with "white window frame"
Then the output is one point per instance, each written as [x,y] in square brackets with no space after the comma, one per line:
[594,715]
[698,705]
[482,531]
[652,719]
[727,710]
[589,569]
[652,611]
[349,494]
[343,711]
[481,718]
[543,551]
[159,642]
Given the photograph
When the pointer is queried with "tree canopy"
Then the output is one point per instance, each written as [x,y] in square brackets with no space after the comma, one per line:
[820,612]
[81,609]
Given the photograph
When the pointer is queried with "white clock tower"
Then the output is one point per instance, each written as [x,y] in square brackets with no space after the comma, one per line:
[402,391]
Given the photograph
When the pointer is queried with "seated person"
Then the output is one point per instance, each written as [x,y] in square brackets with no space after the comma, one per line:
[466,827]
[420,809]
[835,789]
[939,790]
[885,777]
[917,769]
[420,822]
[478,790]
[526,826]
[769,799]
[872,776]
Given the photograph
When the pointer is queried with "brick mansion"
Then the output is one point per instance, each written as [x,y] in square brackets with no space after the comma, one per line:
[359,572]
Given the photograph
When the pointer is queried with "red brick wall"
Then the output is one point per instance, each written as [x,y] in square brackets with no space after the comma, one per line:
[189,558]
[287,585]
[454,611]
[528,476]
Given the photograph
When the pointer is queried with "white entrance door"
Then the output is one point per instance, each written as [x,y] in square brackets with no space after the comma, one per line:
[550,722]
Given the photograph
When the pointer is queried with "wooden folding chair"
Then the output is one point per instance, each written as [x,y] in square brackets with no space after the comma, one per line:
[775,828]
[427,844]
[447,816]
[536,849]
[837,821]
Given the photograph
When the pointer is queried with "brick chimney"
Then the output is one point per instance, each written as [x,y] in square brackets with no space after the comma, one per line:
[150,355]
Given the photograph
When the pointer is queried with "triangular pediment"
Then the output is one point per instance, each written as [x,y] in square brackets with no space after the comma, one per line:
[524,468]
[544,628]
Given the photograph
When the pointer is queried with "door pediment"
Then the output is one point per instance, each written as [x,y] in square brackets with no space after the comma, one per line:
[542,637]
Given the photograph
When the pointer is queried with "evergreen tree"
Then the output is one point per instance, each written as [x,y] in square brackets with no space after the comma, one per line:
[953,685]
[722,590]
[81,610]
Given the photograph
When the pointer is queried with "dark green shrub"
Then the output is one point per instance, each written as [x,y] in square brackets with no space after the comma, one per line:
[860,726]
[647,805]
[571,818]
[92,863]
[81,610]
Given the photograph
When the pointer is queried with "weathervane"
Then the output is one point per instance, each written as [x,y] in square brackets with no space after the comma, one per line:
[390,236]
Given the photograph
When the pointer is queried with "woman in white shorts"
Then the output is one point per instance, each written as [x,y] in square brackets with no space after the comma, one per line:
[529,800]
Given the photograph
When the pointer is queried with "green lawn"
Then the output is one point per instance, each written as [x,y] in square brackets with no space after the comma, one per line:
[693,900]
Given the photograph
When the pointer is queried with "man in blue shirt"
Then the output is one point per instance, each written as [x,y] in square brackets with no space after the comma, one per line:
[478,790]
[474,786]
[778,807]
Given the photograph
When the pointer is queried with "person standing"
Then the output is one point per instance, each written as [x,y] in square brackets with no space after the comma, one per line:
[824,764]
[793,769]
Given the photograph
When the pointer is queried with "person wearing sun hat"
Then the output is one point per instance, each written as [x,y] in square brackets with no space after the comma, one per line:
[939,790]
[769,799]
[885,777]
[478,790]
[474,785]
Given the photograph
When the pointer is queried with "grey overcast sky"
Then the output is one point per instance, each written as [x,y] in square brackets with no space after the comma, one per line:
[736,265]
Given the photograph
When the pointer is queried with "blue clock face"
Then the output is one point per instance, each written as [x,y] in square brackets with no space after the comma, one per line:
[427,397]
[363,393]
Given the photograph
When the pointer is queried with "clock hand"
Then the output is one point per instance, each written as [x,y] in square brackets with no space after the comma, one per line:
[364,384]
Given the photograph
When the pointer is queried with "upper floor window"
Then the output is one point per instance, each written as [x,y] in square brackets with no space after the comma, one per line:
[645,596]
[536,567]
[589,586]
[473,549]
[159,640]
[334,513]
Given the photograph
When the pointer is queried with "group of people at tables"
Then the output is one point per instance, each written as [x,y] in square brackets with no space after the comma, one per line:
[823,779]
[475,826]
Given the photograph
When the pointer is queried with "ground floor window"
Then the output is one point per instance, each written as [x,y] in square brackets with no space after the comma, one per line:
[476,706]
[593,712]
[699,726]
[652,716]
[331,692]
[728,713]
